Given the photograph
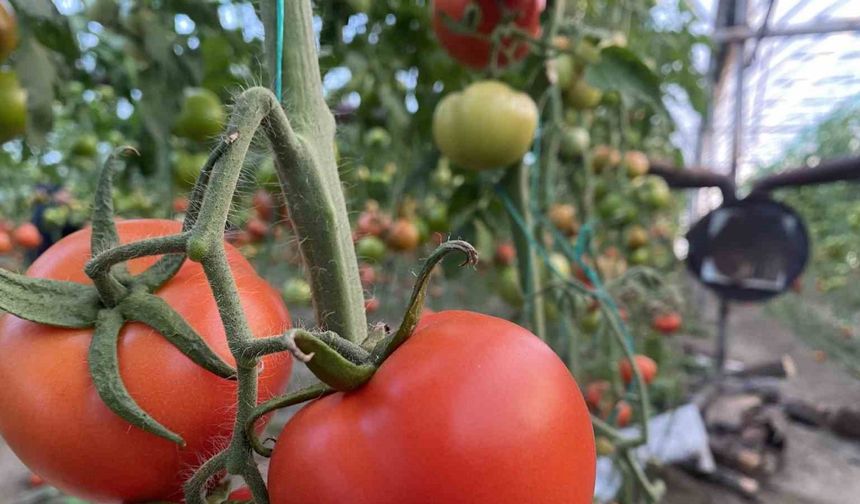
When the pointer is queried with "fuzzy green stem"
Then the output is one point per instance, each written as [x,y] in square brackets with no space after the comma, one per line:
[297,397]
[416,302]
[195,487]
[226,294]
[313,190]
[101,264]
[517,182]
[168,265]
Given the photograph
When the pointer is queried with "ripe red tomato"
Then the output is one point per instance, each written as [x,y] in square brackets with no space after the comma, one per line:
[257,228]
[52,417]
[371,305]
[667,323]
[372,222]
[241,494]
[6,244]
[35,480]
[264,204]
[474,50]
[27,235]
[623,413]
[367,275]
[647,367]
[494,417]
[594,393]
[180,204]
[505,254]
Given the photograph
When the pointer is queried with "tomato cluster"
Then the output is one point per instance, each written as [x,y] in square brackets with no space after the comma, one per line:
[471,43]
[52,417]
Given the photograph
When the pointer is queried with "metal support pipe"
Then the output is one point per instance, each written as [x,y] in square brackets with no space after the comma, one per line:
[722,337]
[740,67]
[742,33]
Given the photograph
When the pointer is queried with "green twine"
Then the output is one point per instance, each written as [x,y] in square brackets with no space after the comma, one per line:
[279,49]
[576,254]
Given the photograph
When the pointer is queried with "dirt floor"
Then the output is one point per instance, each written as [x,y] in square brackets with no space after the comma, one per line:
[820,467]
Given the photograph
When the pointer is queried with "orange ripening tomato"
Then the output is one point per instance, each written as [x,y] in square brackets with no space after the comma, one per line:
[53,418]
[27,235]
[474,49]
[403,236]
[594,393]
[494,417]
[646,365]
[667,323]
[6,244]
[623,414]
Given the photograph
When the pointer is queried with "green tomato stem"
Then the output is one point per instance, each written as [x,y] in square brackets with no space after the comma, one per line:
[100,265]
[306,394]
[309,176]
[517,182]
[419,292]
[196,486]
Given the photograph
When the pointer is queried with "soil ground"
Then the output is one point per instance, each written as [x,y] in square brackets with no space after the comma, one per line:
[820,468]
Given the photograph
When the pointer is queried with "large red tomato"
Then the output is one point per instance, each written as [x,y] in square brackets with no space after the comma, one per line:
[52,417]
[471,409]
[475,50]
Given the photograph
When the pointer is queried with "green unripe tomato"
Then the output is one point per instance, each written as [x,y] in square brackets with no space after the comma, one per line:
[582,95]
[487,125]
[85,145]
[370,249]
[186,168]
[508,286]
[296,291]
[202,115]
[637,237]
[574,142]
[639,257]
[587,52]
[590,323]
[437,218]
[565,71]
[13,106]
[560,263]
[378,185]
[377,137]
[423,229]
[610,207]
[653,192]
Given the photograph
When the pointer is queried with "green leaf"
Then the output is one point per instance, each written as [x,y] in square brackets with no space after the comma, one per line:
[51,302]
[157,314]
[104,367]
[619,69]
[38,75]
[42,19]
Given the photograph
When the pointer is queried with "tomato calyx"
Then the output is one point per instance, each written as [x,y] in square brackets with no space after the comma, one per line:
[339,364]
[343,365]
[116,297]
